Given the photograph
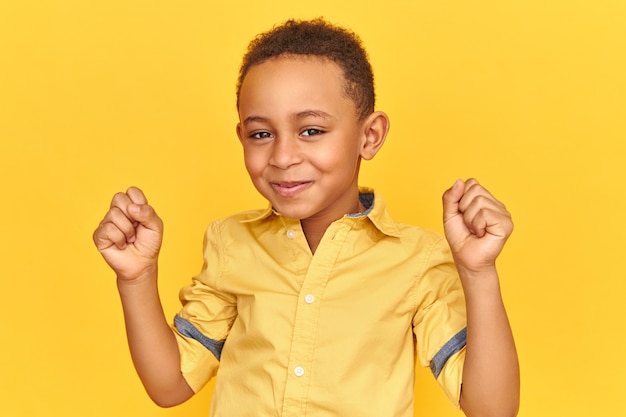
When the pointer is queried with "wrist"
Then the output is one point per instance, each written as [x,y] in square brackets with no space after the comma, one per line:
[146,277]
[480,272]
[480,284]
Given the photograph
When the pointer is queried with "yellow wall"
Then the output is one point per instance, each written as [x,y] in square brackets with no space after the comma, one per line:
[526,95]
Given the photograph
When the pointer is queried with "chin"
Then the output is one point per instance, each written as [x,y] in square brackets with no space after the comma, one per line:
[293,212]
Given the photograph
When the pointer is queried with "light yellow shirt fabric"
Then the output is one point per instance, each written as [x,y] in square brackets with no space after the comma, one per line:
[334,334]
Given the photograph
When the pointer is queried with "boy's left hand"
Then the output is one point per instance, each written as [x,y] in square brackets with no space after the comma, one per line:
[476,225]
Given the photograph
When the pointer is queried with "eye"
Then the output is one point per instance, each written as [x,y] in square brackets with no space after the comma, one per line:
[260,135]
[311,132]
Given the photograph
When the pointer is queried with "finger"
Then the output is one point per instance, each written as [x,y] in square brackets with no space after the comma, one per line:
[493,222]
[474,191]
[123,222]
[478,222]
[140,211]
[132,196]
[451,199]
[470,182]
[108,235]
[478,204]
[136,196]
[123,201]
[145,215]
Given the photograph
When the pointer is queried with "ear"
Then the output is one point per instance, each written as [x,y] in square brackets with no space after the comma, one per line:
[238,129]
[375,128]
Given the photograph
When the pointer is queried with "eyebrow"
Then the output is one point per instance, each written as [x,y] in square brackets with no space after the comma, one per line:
[251,119]
[312,113]
[300,115]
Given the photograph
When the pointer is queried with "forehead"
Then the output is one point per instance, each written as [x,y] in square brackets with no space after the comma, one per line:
[297,63]
[293,79]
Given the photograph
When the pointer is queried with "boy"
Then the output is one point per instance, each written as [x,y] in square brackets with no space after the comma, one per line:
[318,305]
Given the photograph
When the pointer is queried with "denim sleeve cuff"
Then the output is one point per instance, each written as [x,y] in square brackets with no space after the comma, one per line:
[187,329]
[454,345]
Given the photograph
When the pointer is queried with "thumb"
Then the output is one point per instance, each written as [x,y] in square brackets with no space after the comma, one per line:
[451,199]
[144,214]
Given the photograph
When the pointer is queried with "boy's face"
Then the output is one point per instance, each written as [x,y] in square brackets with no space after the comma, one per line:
[301,136]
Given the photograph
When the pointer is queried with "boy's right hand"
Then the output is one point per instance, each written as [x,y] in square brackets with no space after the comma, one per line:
[130,235]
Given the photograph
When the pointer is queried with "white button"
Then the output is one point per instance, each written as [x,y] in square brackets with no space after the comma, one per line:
[291,234]
[309,298]
[299,371]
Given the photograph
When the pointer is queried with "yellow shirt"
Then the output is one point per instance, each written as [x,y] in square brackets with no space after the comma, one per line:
[334,334]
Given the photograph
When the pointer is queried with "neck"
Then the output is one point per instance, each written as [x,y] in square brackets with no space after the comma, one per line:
[314,227]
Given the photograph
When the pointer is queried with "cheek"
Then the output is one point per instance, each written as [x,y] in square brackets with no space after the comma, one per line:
[341,156]
[253,161]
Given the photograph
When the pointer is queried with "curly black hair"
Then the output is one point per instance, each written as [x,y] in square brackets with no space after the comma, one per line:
[317,38]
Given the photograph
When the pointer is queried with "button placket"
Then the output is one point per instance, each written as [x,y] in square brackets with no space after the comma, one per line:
[306,320]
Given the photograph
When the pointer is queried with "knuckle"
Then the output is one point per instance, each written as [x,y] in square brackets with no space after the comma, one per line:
[115,215]
[471,182]
[118,199]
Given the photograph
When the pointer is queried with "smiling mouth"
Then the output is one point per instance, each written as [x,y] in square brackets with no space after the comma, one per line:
[290,188]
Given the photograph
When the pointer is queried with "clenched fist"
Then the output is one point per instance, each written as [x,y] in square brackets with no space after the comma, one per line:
[476,225]
[130,235]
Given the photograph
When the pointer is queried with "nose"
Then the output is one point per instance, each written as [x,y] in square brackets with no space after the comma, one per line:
[285,153]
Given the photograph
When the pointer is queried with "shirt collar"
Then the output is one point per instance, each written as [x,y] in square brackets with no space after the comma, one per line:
[375,210]
[259,215]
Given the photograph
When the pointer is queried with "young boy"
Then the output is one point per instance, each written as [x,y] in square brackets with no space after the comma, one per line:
[319,305]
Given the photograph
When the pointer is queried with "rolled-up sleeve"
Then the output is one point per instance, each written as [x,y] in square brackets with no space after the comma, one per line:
[203,323]
[439,324]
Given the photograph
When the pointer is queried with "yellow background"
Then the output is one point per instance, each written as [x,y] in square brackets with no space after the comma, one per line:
[526,95]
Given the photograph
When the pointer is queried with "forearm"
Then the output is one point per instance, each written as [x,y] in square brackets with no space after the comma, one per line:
[152,343]
[491,371]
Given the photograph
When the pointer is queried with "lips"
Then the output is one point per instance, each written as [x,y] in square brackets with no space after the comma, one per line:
[290,188]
